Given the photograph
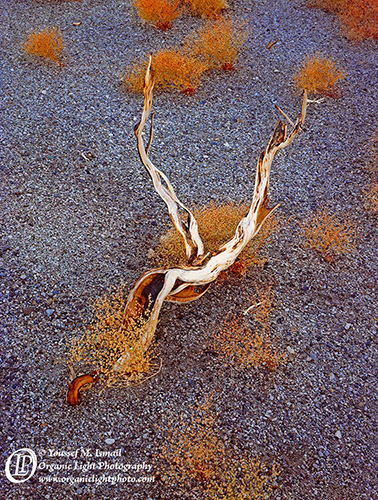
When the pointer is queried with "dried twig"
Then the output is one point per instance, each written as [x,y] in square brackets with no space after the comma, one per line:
[253,306]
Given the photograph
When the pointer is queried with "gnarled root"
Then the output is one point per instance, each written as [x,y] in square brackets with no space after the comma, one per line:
[189,283]
[77,384]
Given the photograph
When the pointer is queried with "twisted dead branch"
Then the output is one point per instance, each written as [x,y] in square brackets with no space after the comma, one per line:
[185,284]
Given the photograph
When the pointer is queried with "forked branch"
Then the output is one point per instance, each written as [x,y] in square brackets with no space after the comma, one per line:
[189,228]
[185,284]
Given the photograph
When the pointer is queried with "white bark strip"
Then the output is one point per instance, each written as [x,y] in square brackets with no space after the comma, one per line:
[189,229]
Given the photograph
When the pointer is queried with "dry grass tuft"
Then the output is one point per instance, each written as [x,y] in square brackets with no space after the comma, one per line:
[133,78]
[358,17]
[106,339]
[319,74]
[47,43]
[372,190]
[372,197]
[240,346]
[329,5]
[245,478]
[214,46]
[329,234]
[193,449]
[173,69]
[196,457]
[217,224]
[158,12]
[206,8]
[218,43]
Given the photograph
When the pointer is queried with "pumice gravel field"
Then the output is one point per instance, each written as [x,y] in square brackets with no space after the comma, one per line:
[263,388]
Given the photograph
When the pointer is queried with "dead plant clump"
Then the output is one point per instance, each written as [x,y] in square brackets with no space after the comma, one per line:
[245,478]
[329,234]
[206,8]
[158,12]
[319,74]
[193,449]
[240,346]
[371,192]
[106,339]
[372,197]
[358,17]
[218,43]
[217,224]
[47,43]
[195,456]
[371,201]
[173,69]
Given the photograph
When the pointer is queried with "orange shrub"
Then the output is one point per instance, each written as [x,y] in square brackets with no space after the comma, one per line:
[195,455]
[372,197]
[47,44]
[206,8]
[318,74]
[158,12]
[242,347]
[371,200]
[238,345]
[217,224]
[218,43]
[330,5]
[329,234]
[106,339]
[359,17]
[173,69]
[193,450]
[133,78]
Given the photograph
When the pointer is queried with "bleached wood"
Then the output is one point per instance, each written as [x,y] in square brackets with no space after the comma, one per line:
[174,282]
[185,284]
[189,228]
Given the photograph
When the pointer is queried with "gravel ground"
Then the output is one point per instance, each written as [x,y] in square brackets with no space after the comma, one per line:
[72,228]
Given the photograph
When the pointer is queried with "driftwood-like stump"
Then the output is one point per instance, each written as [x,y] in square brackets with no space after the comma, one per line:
[185,284]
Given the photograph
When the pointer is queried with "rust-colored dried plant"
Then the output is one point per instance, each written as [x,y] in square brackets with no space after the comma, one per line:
[372,196]
[206,8]
[329,234]
[193,448]
[217,223]
[245,478]
[242,347]
[106,339]
[47,43]
[218,43]
[358,17]
[329,5]
[173,69]
[319,74]
[195,456]
[158,12]
[371,192]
